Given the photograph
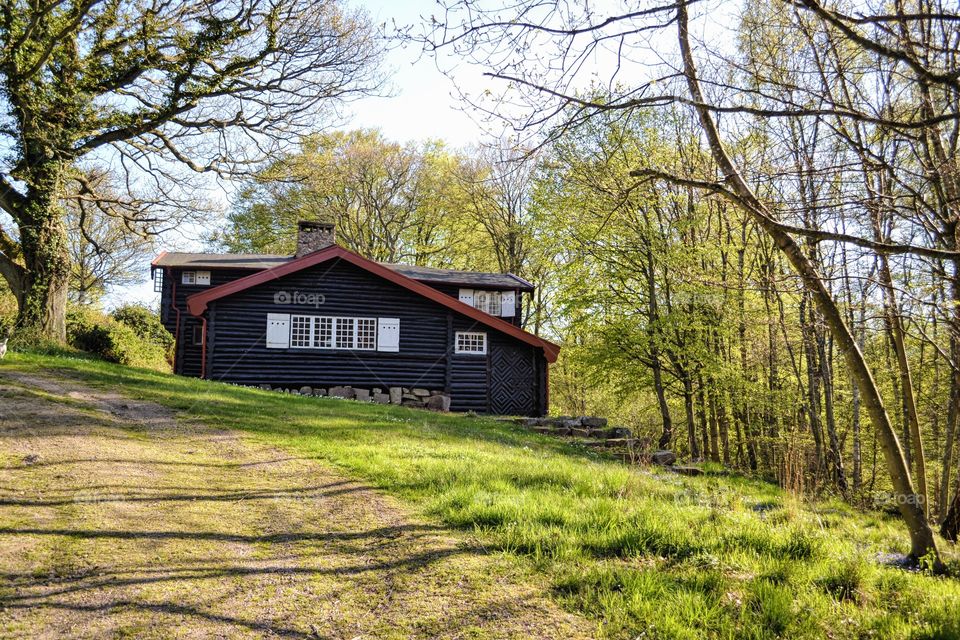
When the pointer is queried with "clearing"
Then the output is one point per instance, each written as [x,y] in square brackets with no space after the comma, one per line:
[137,503]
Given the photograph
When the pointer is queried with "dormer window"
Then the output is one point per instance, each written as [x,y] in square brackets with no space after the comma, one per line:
[496,303]
[200,278]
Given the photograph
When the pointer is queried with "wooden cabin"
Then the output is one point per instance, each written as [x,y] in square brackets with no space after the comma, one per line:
[328,317]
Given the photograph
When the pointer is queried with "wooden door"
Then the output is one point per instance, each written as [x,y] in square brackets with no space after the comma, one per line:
[513,387]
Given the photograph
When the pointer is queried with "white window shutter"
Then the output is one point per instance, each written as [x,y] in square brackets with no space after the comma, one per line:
[388,334]
[203,277]
[278,330]
[508,302]
[466,296]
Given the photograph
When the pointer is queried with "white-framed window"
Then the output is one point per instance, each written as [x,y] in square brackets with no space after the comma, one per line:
[158,281]
[301,331]
[496,303]
[346,332]
[470,342]
[487,301]
[366,334]
[331,332]
[323,332]
[195,277]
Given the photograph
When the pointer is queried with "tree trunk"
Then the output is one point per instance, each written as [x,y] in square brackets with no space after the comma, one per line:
[714,426]
[950,529]
[691,424]
[809,332]
[836,455]
[922,541]
[43,242]
[653,317]
[702,416]
[953,411]
[906,380]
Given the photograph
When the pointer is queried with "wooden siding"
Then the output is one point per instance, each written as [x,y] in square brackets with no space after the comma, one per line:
[188,354]
[237,349]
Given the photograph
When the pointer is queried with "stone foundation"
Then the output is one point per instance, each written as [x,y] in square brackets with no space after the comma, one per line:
[418,398]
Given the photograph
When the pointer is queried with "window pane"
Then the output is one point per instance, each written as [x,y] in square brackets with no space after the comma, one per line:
[471,342]
[300,331]
[345,327]
[366,333]
[323,333]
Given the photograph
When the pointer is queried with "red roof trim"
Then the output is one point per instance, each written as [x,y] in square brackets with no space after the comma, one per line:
[197,303]
[157,259]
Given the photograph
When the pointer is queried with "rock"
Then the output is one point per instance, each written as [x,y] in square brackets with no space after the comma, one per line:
[572,423]
[544,430]
[687,471]
[341,392]
[30,458]
[421,393]
[580,433]
[410,396]
[593,422]
[319,392]
[294,392]
[265,387]
[396,395]
[663,457]
[438,403]
[376,390]
[529,422]
[416,404]
[361,395]
[381,398]
[306,391]
[436,392]
[621,432]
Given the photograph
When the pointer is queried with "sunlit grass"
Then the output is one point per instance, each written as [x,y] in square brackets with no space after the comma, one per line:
[641,551]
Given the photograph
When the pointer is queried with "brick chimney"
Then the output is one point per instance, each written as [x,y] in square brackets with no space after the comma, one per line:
[313,236]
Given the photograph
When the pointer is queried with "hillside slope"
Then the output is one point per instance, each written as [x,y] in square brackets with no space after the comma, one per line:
[636,550]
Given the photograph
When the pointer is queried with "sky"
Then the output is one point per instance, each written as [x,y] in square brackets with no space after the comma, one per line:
[421,104]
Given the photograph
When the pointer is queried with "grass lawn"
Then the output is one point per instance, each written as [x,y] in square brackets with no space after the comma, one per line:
[642,552]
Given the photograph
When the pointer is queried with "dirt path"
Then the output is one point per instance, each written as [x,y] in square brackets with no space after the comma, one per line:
[118,521]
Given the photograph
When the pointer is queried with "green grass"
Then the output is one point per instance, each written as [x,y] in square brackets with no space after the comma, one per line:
[641,552]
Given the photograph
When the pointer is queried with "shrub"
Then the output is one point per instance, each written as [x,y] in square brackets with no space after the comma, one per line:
[97,333]
[147,325]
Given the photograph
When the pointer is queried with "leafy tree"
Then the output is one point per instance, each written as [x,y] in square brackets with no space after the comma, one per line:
[150,89]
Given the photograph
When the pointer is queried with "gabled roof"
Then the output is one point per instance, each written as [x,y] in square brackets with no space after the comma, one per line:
[463,278]
[259,262]
[197,303]
[220,260]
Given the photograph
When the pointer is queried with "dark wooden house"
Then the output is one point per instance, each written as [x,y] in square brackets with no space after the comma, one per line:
[328,317]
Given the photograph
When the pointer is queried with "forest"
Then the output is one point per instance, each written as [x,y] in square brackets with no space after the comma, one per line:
[749,249]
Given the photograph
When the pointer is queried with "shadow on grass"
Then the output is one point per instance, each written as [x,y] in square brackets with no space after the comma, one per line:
[94,496]
[178,610]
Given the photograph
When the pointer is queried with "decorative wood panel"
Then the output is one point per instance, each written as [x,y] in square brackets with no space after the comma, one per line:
[511,378]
